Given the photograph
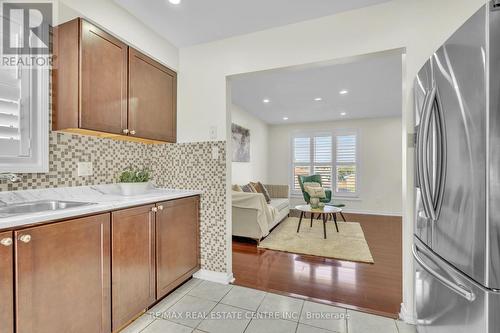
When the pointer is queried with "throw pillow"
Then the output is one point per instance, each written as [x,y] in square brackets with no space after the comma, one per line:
[261,189]
[311,184]
[314,190]
[237,188]
[247,188]
[254,190]
[265,192]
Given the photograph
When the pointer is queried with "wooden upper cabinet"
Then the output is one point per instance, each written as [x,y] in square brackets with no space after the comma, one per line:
[6,283]
[62,273]
[152,98]
[103,81]
[100,84]
[66,76]
[133,263]
[177,243]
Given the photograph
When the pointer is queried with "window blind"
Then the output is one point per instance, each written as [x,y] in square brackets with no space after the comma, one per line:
[346,175]
[333,157]
[323,159]
[14,116]
[10,111]
[301,159]
[302,148]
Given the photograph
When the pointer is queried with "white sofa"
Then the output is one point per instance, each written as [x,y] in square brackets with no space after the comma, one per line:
[253,217]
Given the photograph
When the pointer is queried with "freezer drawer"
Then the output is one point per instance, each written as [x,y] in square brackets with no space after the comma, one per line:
[449,302]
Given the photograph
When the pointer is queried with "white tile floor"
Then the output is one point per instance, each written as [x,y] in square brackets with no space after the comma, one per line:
[201,306]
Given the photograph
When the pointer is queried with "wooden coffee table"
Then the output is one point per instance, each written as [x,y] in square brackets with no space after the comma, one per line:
[325,213]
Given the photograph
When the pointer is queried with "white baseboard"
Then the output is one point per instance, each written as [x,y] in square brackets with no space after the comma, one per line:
[371,212]
[218,277]
[405,316]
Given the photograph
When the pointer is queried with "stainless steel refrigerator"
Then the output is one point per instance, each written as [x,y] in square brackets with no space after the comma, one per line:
[457,222]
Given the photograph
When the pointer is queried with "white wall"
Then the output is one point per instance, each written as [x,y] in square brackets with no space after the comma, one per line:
[395,24]
[256,169]
[379,158]
[419,27]
[119,22]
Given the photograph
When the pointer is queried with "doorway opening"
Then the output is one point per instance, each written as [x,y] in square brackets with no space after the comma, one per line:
[327,132]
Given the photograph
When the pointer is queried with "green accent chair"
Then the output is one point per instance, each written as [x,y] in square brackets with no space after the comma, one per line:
[328,193]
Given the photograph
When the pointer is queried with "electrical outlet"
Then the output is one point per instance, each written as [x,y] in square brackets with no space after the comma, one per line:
[412,139]
[85,169]
[213,133]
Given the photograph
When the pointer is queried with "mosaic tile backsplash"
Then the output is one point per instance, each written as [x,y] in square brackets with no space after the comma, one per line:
[181,166]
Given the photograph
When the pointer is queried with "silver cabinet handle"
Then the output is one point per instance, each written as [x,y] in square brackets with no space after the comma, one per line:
[154,209]
[160,207]
[132,132]
[6,241]
[459,289]
[125,131]
[25,238]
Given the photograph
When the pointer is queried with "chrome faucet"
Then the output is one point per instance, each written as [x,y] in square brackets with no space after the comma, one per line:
[11,177]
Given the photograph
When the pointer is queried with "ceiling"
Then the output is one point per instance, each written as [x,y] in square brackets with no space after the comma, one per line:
[374,85]
[199,21]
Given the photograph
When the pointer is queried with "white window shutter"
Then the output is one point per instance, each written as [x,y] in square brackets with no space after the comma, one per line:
[323,153]
[10,112]
[346,164]
[302,150]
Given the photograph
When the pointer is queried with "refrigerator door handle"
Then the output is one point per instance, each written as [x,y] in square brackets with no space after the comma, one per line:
[442,156]
[459,289]
[423,172]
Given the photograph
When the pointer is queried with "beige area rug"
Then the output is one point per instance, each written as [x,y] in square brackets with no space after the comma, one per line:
[348,244]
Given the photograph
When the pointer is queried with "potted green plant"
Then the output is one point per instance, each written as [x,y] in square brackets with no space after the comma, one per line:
[134,181]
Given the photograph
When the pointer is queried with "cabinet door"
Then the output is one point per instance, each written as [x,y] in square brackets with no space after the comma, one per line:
[133,263]
[62,273]
[103,81]
[177,243]
[6,284]
[152,98]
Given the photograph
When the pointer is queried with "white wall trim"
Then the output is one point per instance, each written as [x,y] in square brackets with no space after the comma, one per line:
[218,277]
[372,212]
[405,316]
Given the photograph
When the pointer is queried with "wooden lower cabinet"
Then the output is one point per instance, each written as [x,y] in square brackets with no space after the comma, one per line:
[133,263]
[97,273]
[6,283]
[177,243]
[63,280]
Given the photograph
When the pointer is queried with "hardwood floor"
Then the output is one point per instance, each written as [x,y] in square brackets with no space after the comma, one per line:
[374,288]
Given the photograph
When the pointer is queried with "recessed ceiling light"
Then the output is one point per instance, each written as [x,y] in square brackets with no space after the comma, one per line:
[285,118]
[343,92]
[266,100]
[343,113]
[318,99]
[174,2]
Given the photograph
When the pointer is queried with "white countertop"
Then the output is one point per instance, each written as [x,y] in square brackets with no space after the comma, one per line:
[105,198]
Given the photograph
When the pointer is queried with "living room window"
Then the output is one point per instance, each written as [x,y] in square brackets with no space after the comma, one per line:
[331,155]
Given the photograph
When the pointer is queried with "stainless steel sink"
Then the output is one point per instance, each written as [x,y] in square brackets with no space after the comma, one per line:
[39,206]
